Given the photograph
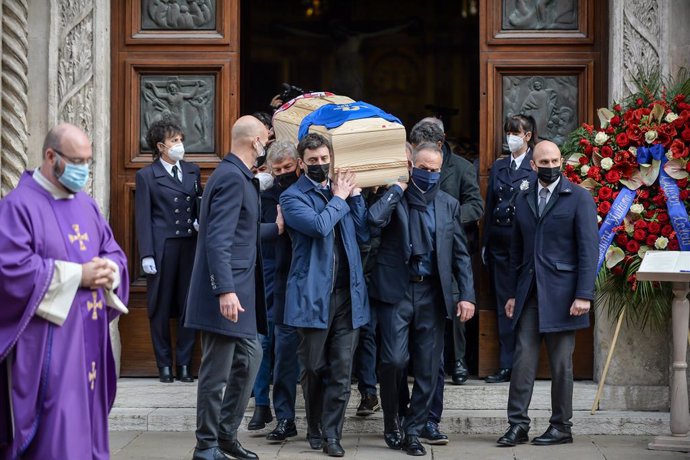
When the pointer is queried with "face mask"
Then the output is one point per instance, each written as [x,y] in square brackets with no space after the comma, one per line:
[176,152]
[515,143]
[548,175]
[287,179]
[318,173]
[265,181]
[425,179]
[73,177]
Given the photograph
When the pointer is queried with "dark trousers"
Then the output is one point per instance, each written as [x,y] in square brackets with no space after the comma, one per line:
[285,371]
[365,358]
[499,268]
[231,363]
[326,358]
[263,378]
[436,409]
[560,347]
[175,272]
[422,314]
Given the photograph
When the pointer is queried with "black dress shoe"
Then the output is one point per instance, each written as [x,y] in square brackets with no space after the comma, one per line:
[368,405]
[552,436]
[183,374]
[283,430]
[393,440]
[333,448]
[214,453]
[412,446]
[235,450]
[502,375]
[432,435]
[514,436]
[460,372]
[165,374]
[315,440]
[262,416]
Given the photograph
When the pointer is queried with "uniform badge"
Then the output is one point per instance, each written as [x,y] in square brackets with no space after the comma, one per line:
[524,185]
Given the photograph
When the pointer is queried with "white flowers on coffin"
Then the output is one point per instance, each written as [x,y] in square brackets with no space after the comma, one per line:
[606,163]
[601,138]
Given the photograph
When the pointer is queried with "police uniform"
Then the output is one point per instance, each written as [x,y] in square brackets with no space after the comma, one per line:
[504,185]
[166,208]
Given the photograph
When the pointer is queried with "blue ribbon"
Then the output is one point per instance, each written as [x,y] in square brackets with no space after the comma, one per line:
[646,154]
[619,209]
[676,208]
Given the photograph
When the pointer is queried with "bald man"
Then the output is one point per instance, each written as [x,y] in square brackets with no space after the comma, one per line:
[226,296]
[553,260]
[63,278]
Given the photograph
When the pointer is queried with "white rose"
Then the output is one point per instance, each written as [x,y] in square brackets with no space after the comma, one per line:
[584,170]
[598,219]
[671,117]
[661,242]
[669,155]
[601,138]
[637,208]
[606,164]
[633,150]
[650,136]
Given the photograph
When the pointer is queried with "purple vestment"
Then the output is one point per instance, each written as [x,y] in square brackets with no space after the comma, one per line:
[62,377]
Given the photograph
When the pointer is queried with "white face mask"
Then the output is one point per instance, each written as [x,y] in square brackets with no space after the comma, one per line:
[265,181]
[515,143]
[176,152]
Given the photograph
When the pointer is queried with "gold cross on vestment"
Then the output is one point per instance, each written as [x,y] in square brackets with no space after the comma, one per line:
[92,374]
[95,305]
[81,237]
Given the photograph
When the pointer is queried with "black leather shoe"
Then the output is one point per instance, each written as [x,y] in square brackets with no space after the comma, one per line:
[214,453]
[514,436]
[368,405]
[183,374]
[165,375]
[412,446]
[283,430]
[235,450]
[502,375]
[432,435]
[460,372]
[333,448]
[315,440]
[552,437]
[262,416]
[393,440]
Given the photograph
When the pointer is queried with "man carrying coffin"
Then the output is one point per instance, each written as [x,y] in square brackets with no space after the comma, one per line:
[61,271]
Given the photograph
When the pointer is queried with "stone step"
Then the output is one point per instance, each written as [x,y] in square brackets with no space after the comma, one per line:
[471,422]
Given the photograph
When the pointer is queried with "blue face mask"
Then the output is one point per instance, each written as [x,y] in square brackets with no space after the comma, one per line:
[425,179]
[74,177]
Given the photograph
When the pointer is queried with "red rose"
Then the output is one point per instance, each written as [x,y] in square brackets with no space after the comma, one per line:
[687,167]
[617,270]
[613,176]
[622,140]
[583,160]
[622,240]
[615,121]
[640,235]
[604,207]
[673,245]
[640,225]
[639,101]
[617,108]
[595,173]
[684,194]
[649,214]
[615,195]
[584,142]
[662,217]
[678,149]
[606,151]
[654,228]
[683,183]
[576,179]
[685,134]
[666,230]
[679,98]
[605,193]
[588,150]
[651,239]
[632,246]
[609,130]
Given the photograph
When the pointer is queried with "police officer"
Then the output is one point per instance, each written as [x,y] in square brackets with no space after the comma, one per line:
[507,175]
[166,209]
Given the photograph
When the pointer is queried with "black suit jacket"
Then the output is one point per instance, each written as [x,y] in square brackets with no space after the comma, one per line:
[459,180]
[228,256]
[391,274]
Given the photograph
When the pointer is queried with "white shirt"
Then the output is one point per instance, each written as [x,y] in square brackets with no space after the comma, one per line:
[518,160]
[551,188]
[168,167]
[57,193]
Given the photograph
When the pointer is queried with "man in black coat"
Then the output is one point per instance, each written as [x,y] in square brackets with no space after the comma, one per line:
[226,296]
[422,249]
[553,255]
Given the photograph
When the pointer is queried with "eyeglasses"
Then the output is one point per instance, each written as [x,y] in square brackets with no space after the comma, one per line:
[75,161]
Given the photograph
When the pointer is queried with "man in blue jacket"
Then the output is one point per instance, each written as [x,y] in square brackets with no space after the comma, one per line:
[226,295]
[326,294]
[553,254]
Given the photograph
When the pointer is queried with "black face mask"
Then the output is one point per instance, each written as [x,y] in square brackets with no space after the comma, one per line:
[548,175]
[287,179]
[318,173]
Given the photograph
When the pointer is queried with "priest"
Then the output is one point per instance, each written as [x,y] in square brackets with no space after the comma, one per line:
[63,278]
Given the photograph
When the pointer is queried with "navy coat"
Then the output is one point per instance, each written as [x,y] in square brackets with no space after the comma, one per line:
[391,274]
[228,254]
[557,252]
[164,208]
[311,220]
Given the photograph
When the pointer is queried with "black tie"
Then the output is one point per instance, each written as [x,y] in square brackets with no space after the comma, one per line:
[174,171]
[513,165]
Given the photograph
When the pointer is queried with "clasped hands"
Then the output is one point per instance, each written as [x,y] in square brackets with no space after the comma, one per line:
[579,307]
[97,273]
